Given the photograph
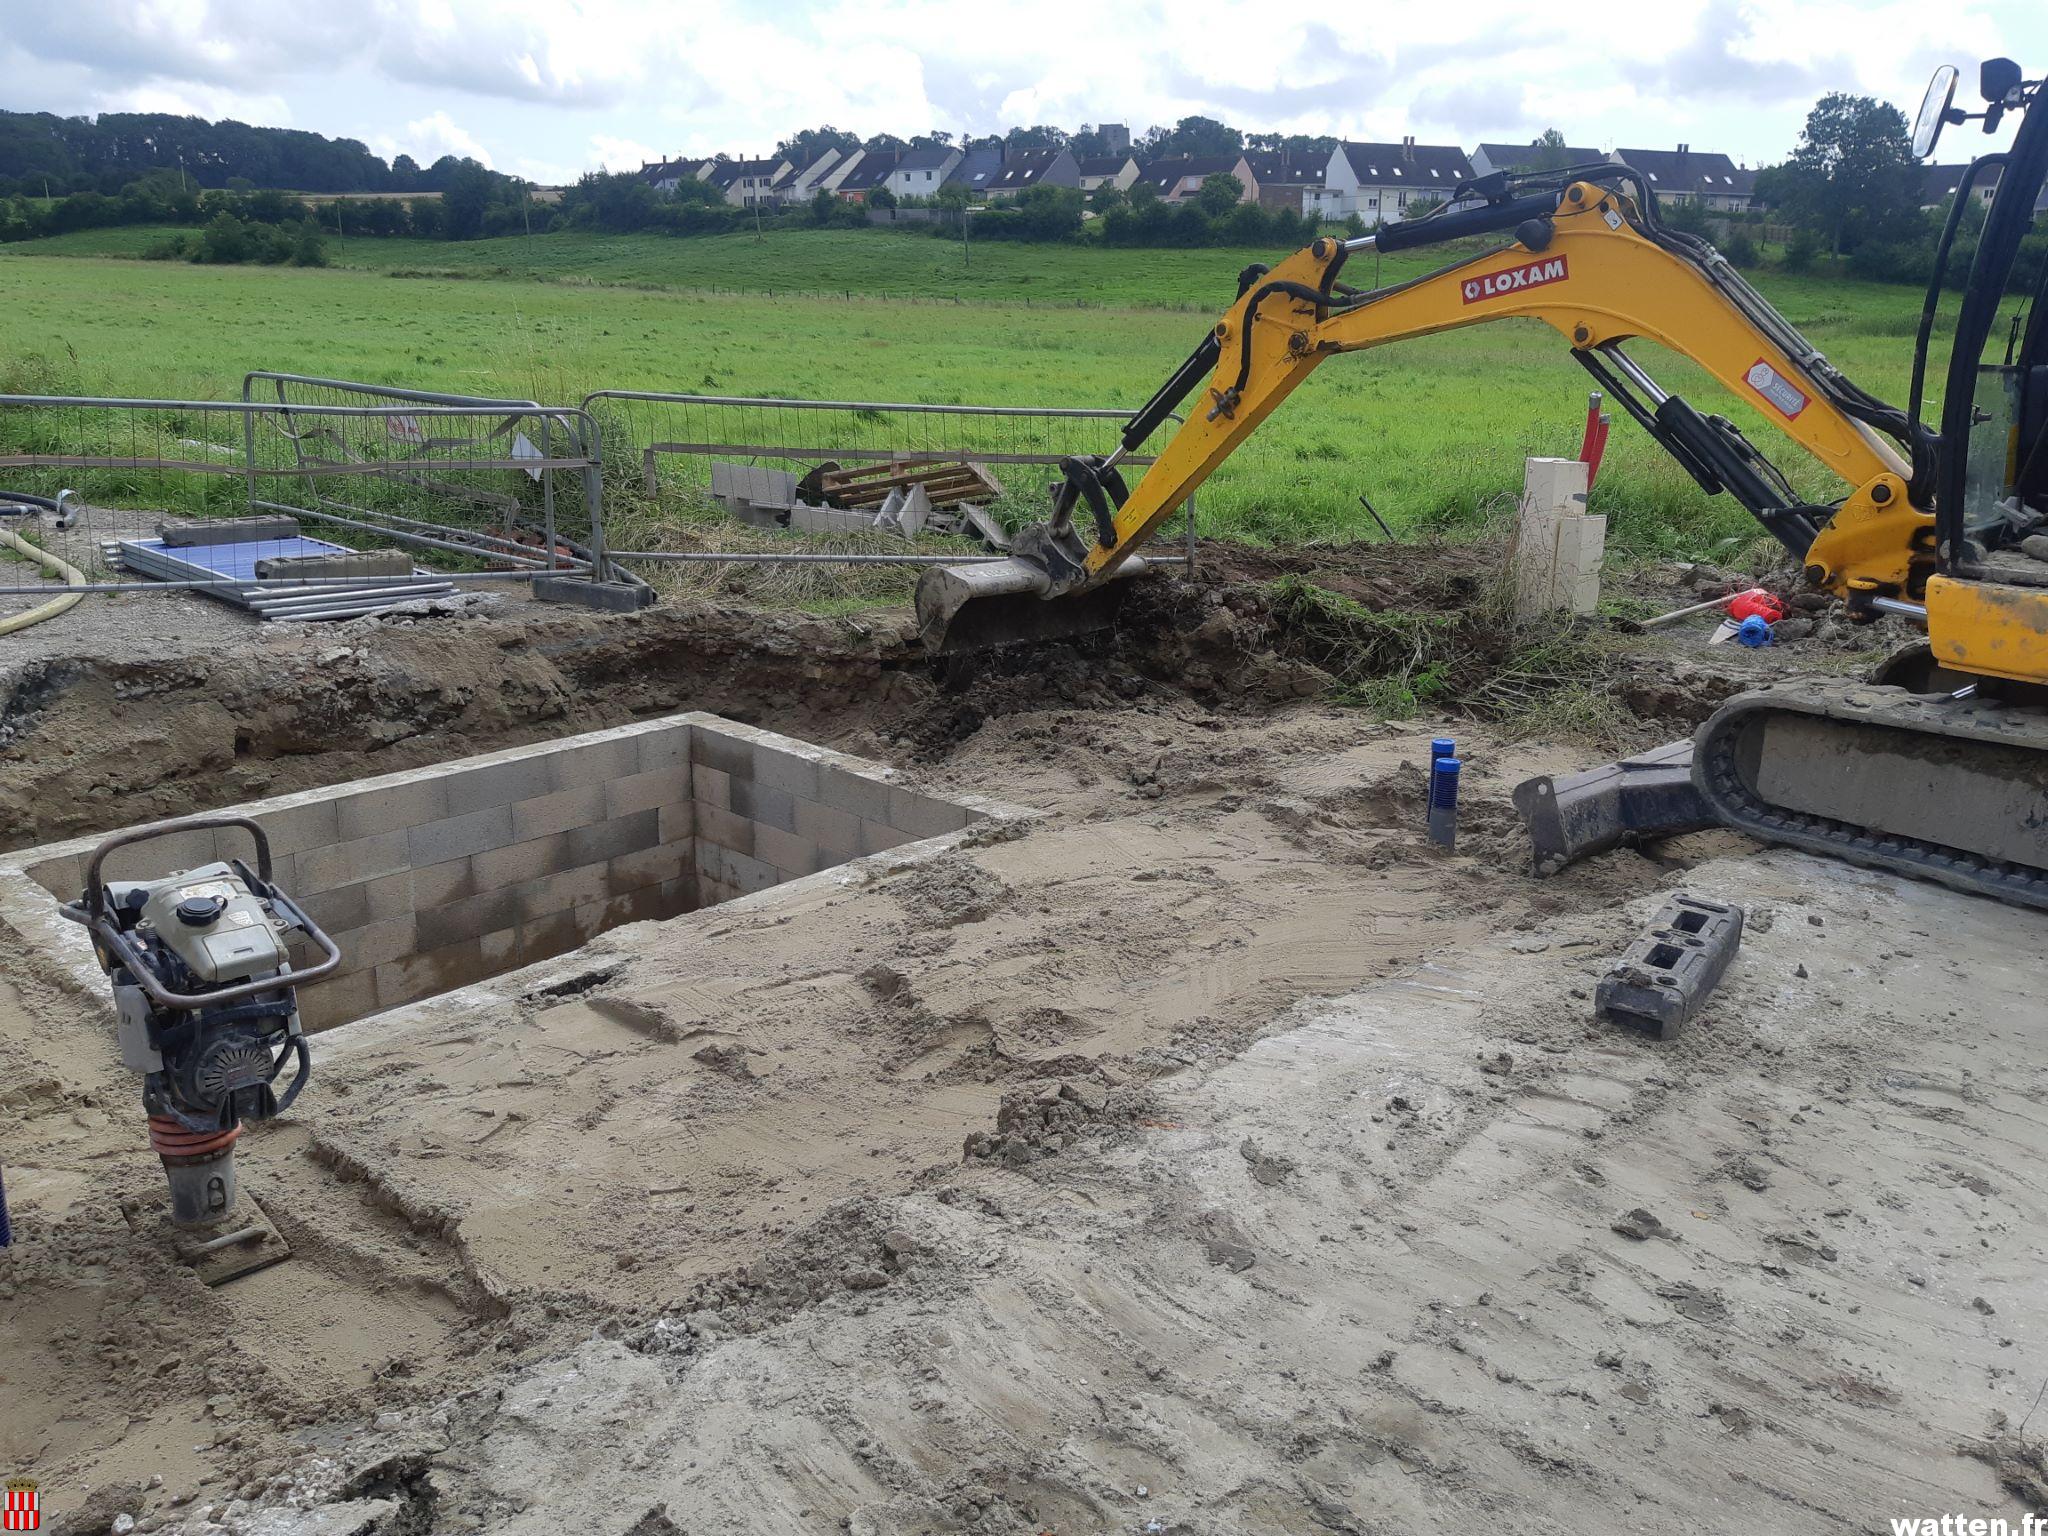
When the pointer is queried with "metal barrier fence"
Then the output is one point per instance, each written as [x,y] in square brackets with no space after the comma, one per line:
[493,490]
[670,442]
[479,488]
[557,450]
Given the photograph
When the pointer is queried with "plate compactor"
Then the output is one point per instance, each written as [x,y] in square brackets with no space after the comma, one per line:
[206,996]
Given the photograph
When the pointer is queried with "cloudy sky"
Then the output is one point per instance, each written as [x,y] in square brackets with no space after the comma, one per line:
[546,88]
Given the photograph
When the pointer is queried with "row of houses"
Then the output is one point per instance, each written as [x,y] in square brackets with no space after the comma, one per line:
[1379,182]
[996,172]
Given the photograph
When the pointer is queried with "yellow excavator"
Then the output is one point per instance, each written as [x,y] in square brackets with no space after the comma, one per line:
[1937,767]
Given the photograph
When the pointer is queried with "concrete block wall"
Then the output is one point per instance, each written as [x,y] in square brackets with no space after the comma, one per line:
[433,879]
[769,808]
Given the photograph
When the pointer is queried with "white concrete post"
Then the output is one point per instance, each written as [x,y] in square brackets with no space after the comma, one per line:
[1558,545]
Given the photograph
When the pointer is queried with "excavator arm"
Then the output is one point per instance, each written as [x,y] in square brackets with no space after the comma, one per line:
[1587,263]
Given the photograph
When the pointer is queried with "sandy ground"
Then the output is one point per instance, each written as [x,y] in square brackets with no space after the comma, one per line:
[1212,1157]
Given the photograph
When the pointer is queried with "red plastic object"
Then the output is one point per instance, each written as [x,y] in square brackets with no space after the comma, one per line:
[1593,444]
[1755,603]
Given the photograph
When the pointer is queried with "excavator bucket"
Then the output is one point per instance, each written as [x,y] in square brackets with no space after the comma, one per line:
[962,608]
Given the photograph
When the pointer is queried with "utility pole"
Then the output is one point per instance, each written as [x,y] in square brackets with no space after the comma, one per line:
[966,256]
[757,221]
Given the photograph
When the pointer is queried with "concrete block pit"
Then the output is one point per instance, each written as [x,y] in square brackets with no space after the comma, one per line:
[443,876]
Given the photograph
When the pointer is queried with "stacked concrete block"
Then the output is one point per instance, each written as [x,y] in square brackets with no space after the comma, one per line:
[1558,544]
[434,879]
[755,495]
[771,809]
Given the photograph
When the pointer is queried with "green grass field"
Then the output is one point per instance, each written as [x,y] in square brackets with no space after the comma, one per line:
[1430,430]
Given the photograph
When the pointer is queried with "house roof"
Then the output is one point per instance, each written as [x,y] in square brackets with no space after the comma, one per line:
[872,171]
[1521,157]
[925,159]
[1436,167]
[727,172]
[1103,165]
[1168,174]
[670,170]
[977,168]
[1024,168]
[1938,183]
[1686,169]
[1286,168]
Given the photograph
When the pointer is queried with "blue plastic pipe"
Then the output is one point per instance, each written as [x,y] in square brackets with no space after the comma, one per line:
[6,1227]
[1443,802]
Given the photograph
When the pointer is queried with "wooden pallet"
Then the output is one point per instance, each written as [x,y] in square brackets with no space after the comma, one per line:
[946,483]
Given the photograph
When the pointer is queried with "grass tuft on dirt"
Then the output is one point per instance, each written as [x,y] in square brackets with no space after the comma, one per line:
[1528,677]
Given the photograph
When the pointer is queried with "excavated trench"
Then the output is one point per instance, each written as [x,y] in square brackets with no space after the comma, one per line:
[91,743]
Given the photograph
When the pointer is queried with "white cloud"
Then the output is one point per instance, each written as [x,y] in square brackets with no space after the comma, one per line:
[431,137]
[543,82]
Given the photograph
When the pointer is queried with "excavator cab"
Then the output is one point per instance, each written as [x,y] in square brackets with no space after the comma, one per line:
[1984,469]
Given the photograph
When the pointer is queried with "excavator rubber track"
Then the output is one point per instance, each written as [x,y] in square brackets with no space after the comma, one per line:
[1937,788]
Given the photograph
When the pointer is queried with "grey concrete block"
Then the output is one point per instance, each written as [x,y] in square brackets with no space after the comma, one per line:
[648,790]
[650,866]
[500,950]
[468,919]
[378,944]
[725,830]
[339,911]
[517,863]
[609,596]
[881,836]
[835,832]
[665,747]
[730,755]
[711,786]
[62,877]
[921,814]
[791,854]
[351,863]
[169,855]
[561,891]
[439,884]
[765,804]
[854,793]
[543,939]
[743,872]
[609,839]
[431,971]
[459,836]
[558,811]
[520,778]
[791,772]
[299,827]
[399,805]
[610,756]
[677,823]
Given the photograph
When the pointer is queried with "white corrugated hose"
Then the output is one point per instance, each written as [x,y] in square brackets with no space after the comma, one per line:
[72,575]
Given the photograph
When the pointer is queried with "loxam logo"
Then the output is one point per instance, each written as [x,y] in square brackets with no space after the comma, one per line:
[1534,275]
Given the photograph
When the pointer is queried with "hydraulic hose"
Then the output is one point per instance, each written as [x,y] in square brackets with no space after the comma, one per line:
[72,575]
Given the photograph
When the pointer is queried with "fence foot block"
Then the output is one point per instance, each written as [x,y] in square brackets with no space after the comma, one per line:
[611,596]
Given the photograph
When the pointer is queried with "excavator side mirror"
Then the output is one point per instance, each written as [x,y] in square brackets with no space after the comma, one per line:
[1998,79]
[1941,93]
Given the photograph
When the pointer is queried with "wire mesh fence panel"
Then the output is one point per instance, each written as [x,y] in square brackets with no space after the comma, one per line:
[506,474]
[299,507]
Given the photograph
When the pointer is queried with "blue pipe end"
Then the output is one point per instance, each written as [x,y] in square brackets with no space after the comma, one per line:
[1443,783]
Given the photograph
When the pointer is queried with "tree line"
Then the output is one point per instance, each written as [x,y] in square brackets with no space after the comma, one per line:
[42,154]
